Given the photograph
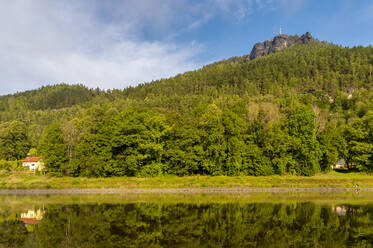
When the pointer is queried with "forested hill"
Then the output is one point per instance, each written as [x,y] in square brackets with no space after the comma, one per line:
[297,110]
[48,97]
[305,68]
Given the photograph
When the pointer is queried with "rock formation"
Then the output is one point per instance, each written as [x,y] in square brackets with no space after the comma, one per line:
[278,43]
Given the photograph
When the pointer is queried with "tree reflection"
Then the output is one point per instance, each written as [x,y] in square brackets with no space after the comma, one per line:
[189,225]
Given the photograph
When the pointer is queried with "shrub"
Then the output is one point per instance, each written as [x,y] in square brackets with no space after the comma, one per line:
[8,165]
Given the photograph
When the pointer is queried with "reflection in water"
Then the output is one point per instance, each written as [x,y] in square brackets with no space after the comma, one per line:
[340,209]
[191,225]
[32,217]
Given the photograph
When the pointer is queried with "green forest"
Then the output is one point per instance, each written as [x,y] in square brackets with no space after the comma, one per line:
[297,111]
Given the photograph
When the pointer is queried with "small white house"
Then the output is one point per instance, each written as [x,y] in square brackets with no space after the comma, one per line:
[340,164]
[33,163]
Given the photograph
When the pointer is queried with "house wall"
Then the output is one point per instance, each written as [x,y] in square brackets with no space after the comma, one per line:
[34,165]
[339,166]
[30,165]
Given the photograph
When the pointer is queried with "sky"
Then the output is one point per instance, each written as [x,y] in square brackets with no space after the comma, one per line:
[120,43]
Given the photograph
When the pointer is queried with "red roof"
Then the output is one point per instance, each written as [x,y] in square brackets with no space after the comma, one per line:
[30,221]
[31,159]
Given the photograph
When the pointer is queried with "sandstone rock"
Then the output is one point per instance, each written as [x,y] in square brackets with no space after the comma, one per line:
[278,43]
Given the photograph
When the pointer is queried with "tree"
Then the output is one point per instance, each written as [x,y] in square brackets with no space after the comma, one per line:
[332,146]
[359,137]
[277,145]
[131,143]
[213,140]
[301,126]
[14,143]
[53,150]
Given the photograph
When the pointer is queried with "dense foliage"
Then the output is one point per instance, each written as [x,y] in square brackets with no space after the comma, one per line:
[53,149]
[297,111]
[14,142]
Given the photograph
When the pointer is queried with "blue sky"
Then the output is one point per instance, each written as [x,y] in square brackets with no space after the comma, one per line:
[117,43]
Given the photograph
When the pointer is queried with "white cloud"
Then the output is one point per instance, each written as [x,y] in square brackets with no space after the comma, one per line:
[46,42]
[110,44]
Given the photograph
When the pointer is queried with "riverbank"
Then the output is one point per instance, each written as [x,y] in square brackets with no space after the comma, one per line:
[222,190]
[334,180]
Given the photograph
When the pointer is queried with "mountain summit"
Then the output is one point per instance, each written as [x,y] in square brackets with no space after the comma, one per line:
[279,43]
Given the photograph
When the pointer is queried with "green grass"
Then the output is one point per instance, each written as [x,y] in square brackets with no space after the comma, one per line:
[26,180]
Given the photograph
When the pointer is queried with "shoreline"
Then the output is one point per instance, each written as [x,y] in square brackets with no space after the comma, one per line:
[222,190]
[25,183]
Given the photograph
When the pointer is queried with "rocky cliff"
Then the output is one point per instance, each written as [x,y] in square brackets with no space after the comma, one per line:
[278,43]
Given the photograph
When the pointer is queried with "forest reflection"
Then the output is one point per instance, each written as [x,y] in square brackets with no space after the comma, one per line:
[189,225]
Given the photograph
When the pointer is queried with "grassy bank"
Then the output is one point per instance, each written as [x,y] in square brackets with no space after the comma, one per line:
[26,180]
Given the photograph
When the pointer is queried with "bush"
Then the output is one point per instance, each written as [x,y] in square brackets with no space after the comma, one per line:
[8,165]
[151,170]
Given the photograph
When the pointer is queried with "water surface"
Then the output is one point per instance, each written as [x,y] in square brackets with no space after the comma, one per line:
[256,220]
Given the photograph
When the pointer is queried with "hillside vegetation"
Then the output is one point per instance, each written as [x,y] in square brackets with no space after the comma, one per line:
[293,112]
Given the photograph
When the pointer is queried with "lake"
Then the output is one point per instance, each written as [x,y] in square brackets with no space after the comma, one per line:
[189,220]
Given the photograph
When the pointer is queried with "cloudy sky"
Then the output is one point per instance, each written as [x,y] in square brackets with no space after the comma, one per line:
[117,43]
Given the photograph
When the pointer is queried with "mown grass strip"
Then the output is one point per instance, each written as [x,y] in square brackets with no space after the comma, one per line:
[15,180]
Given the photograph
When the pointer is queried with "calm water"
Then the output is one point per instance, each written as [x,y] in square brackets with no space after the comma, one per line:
[146,223]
